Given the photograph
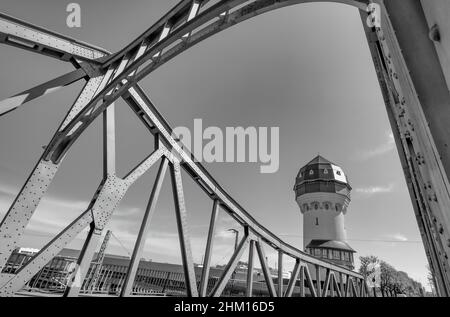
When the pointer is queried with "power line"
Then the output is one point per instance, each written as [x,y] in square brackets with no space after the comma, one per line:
[361,240]
[283,235]
[117,239]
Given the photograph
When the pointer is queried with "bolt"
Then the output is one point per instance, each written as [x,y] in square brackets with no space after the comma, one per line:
[434,33]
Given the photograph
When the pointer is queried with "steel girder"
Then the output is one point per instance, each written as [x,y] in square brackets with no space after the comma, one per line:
[422,153]
[113,76]
[24,35]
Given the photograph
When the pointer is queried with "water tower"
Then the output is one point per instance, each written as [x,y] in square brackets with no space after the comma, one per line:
[322,192]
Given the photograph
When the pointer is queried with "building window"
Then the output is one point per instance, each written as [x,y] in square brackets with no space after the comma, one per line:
[317,252]
[311,172]
[327,206]
[346,256]
[336,255]
[317,221]
[338,172]
[316,206]
[324,253]
[325,171]
[338,207]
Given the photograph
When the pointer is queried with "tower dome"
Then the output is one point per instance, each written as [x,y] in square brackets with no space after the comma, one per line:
[322,192]
[321,175]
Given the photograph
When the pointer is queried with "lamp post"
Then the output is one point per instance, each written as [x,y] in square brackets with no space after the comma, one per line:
[236,232]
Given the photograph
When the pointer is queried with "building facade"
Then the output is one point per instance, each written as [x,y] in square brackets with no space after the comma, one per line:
[322,192]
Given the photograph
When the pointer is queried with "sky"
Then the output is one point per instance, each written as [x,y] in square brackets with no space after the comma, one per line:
[305,69]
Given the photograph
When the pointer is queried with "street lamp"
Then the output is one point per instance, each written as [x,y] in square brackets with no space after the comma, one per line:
[236,232]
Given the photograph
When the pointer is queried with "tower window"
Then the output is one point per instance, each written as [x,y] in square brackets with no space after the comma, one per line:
[317,221]
[324,253]
[317,252]
[336,255]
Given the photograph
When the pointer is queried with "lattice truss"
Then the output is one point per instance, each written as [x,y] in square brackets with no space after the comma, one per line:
[112,76]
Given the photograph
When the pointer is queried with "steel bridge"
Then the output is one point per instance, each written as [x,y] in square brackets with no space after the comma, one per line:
[411,55]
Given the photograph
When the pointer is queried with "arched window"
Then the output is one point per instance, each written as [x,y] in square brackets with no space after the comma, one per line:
[327,206]
[316,206]
[317,221]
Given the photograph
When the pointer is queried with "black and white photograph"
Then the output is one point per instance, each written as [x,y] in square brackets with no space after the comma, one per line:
[241,150]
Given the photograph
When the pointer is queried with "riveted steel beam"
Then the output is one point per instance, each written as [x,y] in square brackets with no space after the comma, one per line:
[143,231]
[312,289]
[293,280]
[12,103]
[183,230]
[27,36]
[265,268]
[326,284]
[250,266]
[208,250]
[280,274]
[336,285]
[83,263]
[318,281]
[231,266]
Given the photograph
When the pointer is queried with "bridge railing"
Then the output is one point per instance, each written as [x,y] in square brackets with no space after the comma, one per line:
[56,275]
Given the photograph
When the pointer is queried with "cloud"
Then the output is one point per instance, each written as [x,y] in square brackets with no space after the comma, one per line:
[398,237]
[381,149]
[373,190]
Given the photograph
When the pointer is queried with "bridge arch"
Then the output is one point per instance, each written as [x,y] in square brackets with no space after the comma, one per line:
[212,21]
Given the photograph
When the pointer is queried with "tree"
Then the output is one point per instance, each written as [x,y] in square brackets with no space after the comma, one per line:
[366,267]
[431,281]
[392,282]
[387,279]
[365,261]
